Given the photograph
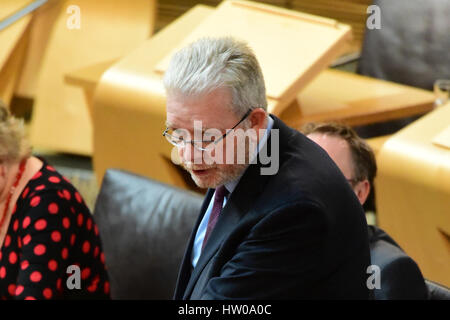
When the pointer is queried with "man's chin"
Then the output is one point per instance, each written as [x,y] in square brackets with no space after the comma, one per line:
[203,178]
[216,176]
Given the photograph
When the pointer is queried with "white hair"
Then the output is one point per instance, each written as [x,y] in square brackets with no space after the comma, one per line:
[212,63]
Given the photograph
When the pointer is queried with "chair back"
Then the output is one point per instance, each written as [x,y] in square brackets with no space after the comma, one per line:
[411,47]
[144,227]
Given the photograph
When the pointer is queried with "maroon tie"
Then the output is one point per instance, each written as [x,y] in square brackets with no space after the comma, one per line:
[220,194]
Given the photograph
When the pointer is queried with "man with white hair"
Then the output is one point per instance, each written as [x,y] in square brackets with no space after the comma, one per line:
[279,220]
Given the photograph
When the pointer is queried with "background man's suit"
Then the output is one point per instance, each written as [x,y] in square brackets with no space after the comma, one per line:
[400,277]
[298,234]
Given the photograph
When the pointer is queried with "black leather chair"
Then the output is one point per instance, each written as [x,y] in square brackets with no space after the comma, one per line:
[145,225]
[411,48]
[412,45]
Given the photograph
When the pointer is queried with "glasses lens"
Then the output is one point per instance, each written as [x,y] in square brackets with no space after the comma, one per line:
[181,137]
[175,137]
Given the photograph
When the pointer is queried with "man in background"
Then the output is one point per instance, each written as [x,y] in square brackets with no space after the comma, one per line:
[400,276]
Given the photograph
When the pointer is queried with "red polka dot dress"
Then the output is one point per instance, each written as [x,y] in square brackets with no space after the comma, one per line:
[52,248]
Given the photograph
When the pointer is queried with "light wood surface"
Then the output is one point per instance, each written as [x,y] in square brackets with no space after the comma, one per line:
[291,47]
[355,100]
[60,119]
[88,78]
[413,193]
[377,143]
[42,21]
[10,73]
[13,41]
[352,12]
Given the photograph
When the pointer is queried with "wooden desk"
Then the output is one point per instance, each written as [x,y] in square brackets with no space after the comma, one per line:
[413,193]
[292,47]
[333,96]
[355,100]
[60,119]
[88,78]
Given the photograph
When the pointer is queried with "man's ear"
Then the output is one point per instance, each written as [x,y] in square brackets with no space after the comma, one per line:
[362,190]
[258,118]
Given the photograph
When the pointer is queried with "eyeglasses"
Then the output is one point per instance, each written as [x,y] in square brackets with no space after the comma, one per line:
[201,145]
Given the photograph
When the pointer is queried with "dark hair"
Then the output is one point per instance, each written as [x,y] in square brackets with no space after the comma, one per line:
[364,162]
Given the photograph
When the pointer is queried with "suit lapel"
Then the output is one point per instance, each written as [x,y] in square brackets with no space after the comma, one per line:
[185,271]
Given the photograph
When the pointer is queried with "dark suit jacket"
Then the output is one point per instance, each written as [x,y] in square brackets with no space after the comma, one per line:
[298,234]
[400,277]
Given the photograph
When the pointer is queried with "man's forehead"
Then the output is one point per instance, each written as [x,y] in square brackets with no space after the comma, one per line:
[212,110]
[327,139]
[335,146]
[194,125]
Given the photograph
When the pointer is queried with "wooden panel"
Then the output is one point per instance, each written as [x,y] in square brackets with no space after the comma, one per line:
[42,23]
[355,100]
[10,72]
[292,48]
[60,120]
[352,12]
[413,193]
[12,45]
[88,78]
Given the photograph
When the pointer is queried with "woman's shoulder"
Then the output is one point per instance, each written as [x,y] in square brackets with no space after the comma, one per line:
[50,188]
